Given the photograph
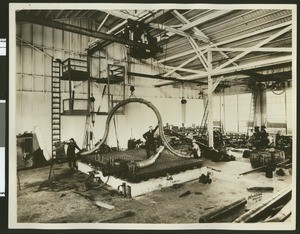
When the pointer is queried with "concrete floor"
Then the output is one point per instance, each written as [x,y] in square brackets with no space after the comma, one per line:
[41,201]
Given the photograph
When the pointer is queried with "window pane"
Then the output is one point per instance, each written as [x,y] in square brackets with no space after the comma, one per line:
[231,113]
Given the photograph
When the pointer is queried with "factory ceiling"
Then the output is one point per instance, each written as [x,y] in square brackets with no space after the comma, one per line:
[255,40]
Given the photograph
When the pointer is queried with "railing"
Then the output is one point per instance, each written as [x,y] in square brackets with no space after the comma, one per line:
[74,64]
[78,106]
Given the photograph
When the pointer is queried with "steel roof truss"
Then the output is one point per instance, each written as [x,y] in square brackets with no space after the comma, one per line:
[199,53]
[256,64]
[254,47]
[229,40]
[261,49]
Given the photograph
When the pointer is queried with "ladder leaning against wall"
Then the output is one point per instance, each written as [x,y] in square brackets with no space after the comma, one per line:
[55,104]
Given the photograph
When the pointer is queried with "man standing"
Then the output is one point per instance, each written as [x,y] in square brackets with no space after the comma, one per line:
[72,146]
[150,144]
[196,152]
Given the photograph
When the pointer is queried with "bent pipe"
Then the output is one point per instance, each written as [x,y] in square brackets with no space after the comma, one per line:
[148,162]
[160,125]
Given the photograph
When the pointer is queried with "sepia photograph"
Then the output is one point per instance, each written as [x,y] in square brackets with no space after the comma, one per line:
[152,116]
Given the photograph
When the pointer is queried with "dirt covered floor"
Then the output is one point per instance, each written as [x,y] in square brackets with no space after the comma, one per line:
[65,200]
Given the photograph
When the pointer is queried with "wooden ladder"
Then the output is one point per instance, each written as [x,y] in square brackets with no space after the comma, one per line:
[203,124]
[55,105]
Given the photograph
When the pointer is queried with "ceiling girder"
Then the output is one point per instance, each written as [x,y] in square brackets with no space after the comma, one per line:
[262,77]
[163,78]
[254,47]
[20,17]
[181,65]
[156,25]
[260,49]
[206,18]
[200,55]
[195,29]
[253,65]
[204,48]
[179,68]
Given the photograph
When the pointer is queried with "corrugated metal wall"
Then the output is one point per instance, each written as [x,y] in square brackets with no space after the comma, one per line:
[36,45]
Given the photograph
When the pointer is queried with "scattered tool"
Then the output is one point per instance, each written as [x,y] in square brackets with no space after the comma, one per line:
[122,215]
[262,168]
[289,165]
[214,169]
[177,185]
[280,172]
[98,204]
[185,194]
[205,179]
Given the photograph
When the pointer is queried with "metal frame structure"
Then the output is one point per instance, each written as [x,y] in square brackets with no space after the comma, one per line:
[203,45]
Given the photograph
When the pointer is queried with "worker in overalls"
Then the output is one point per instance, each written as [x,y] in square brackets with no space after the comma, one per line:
[72,146]
[150,142]
[196,152]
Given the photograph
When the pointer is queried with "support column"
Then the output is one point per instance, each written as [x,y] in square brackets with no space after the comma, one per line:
[209,96]
[183,108]
[263,104]
[260,108]
[88,114]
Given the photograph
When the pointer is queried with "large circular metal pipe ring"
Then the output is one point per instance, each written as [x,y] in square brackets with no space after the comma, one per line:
[160,125]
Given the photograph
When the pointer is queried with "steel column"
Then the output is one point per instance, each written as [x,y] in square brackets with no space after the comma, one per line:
[209,96]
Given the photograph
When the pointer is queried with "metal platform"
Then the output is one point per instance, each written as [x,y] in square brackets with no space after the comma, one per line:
[144,187]
[165,172]
[167,163]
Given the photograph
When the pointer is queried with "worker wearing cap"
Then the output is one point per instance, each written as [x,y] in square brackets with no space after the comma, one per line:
[264,137]
[72,146]
[196,152]
[150,143]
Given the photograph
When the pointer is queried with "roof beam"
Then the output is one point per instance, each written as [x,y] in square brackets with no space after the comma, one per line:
[253,65]
[75,29]
[154,25]
[195,29]
[176,31]
[181,65]
[205,19]
[120,14]
[103,22]
[99,28]
[254,47]
[261,49]
[162,77]
[263,77]
[199,53]
[179,68]
[156,15]
[229,40]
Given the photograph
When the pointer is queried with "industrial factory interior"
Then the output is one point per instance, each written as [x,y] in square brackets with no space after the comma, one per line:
[160,116]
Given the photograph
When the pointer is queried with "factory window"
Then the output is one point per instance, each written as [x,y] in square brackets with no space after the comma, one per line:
[231,117]
[237,112]
[217,111]
[279,111]
[244,107]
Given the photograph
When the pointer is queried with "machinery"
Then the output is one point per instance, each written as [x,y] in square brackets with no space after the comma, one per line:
[130,165]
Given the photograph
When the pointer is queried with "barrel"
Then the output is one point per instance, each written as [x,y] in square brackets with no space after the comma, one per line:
[264,157]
